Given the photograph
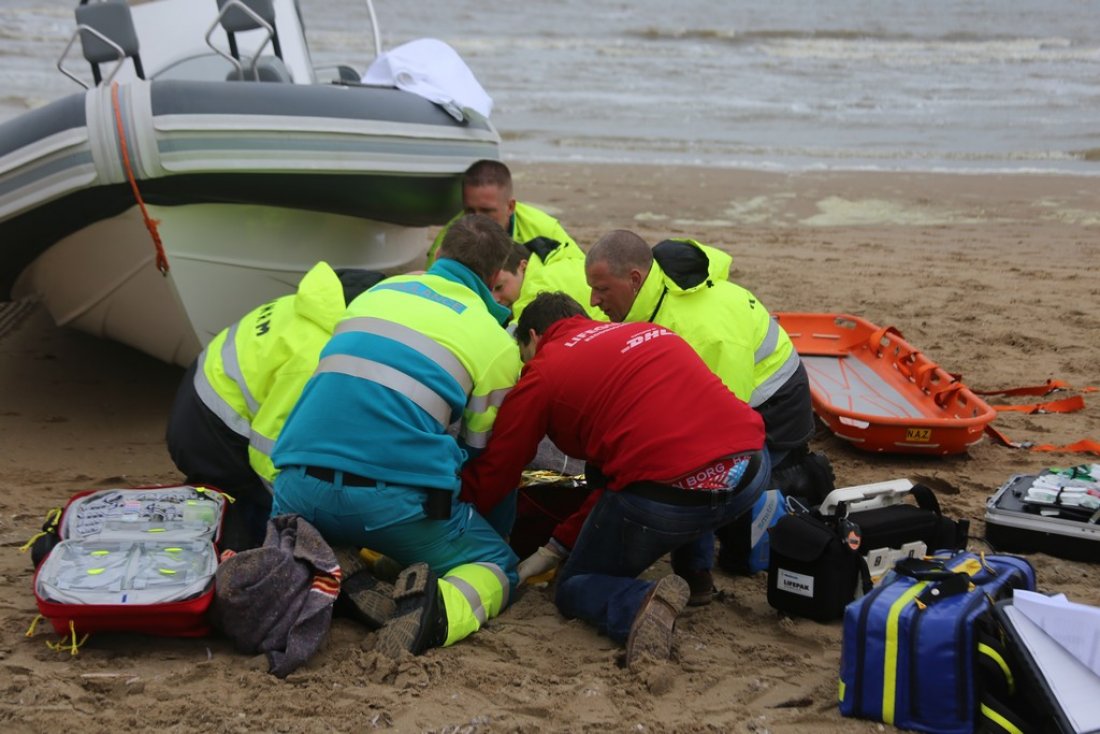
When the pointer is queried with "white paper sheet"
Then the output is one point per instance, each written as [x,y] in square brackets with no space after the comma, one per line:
[1074,686]
[1076,627]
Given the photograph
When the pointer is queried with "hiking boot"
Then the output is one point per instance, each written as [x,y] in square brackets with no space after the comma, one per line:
[419,620]
[651,633]
[702,587]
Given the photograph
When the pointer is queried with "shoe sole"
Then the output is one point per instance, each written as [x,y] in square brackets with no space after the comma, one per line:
[651,633]
[370,600]
[415,596]
[351,562]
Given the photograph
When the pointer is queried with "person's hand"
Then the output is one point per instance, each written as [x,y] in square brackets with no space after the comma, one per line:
[540,565]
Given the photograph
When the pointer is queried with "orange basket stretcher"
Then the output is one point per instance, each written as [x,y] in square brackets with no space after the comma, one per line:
[874,389]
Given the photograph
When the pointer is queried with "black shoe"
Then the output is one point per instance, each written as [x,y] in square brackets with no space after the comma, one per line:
[419,621]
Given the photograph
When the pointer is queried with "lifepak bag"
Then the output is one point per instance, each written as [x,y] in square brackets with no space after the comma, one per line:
[913,648]
[814,566]
[136,560]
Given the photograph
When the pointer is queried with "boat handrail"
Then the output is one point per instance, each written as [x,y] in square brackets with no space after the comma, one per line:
[102,37]
[374,29]
[260,23]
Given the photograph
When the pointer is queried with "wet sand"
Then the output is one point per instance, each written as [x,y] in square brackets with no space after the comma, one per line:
[994,277]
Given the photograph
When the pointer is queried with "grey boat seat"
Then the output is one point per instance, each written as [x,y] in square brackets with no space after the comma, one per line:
[238,16]
[235,20]
[110,19]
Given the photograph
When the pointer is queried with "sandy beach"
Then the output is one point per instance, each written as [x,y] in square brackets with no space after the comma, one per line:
[995,277]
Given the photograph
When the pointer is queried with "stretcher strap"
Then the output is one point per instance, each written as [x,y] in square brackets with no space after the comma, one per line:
[1071,404]
[1084,446]
[1045,389]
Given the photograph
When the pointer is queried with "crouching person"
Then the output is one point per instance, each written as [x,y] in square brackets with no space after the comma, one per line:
[679,454]
[366,456]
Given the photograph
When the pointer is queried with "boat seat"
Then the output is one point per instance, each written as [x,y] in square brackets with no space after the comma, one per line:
[268,69]
[108,19]
[348,74]
[235,20]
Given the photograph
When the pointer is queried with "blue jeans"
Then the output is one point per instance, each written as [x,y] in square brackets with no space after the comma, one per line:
[390,519]
[699,556]
[623,536]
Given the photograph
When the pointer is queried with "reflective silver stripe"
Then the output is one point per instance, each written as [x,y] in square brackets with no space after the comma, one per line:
[216,403]
[261,443]
[476,439]
[382,374]
[768,345]
[502,578]
[767,388]
[270,487]
[232,365]
[481,403]
[412,338]
[472,598]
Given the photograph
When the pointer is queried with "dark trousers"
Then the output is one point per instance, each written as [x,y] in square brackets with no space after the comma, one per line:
[207,451]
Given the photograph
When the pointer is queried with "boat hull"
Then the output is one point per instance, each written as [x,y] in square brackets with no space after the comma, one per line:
[223,260]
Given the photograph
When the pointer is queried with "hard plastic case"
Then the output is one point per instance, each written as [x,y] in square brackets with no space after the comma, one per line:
[1013,525]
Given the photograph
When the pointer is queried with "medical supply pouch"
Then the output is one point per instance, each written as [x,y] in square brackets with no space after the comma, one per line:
[814,566]
[914,649]
[135,559]
[745,546]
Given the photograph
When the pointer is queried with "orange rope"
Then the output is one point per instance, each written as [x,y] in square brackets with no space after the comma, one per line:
[150,223]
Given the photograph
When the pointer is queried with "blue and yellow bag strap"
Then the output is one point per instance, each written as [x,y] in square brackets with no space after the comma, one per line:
[996,683]
[890,658]
[936,579]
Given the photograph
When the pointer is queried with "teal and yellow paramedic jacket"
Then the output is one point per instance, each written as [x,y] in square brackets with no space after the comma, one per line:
[251,374]
[412,356]
[526,224]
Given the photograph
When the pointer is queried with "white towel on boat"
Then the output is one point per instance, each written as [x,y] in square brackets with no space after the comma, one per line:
[431,69]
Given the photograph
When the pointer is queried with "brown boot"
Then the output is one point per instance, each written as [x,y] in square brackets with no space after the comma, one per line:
[651,633]
[702,587]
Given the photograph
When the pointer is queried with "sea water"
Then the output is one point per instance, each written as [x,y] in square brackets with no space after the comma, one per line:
[956,85]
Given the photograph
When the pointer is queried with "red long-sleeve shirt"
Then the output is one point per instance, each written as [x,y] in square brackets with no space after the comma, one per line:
[632,398]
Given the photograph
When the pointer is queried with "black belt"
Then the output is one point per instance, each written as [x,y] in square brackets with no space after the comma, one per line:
[329,475]
[437,502]
[675,496]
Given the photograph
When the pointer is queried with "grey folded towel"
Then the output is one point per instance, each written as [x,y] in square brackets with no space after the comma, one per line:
[277,599]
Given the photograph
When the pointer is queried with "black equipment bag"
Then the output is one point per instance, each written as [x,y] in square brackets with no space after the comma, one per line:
[814,567]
